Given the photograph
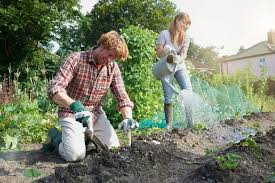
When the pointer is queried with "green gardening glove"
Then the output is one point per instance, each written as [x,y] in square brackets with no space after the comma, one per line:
[83,115]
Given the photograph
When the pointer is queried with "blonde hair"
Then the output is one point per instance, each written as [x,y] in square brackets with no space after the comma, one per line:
[173,28]
[112,40]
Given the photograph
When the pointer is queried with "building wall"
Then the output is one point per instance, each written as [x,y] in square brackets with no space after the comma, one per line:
[255,63]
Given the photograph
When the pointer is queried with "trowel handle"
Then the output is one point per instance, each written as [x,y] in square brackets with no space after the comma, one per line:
[129,136]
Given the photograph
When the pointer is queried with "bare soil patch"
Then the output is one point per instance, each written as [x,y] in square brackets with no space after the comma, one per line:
[177,156]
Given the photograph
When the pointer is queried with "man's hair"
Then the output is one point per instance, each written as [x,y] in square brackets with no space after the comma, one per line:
[112,40]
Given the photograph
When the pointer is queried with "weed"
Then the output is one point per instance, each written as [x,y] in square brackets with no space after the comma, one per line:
[250,143]
[141,132]
[32,173]
[271,178]
[255,125]
[212,151]
[200,127]
[230,161]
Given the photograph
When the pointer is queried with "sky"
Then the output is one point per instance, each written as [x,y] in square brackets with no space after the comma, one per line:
[225,24]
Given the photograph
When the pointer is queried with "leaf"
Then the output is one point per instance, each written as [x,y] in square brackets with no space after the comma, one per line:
[31,173]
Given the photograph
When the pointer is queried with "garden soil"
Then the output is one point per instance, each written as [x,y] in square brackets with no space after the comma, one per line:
[182,155]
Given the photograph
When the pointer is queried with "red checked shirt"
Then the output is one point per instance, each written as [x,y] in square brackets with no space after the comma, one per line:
[82,80]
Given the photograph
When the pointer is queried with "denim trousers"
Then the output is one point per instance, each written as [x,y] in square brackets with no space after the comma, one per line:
[183,79]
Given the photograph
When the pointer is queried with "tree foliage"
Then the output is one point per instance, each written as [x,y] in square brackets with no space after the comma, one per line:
[204,55]
[28,25]
[117,14]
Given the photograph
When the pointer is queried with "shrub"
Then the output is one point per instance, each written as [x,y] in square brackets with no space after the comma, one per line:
[142,88]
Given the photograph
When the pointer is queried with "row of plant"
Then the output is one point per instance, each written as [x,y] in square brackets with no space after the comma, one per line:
[230,161]
[254,87]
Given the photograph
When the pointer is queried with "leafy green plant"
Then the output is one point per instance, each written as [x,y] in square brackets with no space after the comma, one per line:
[255,125]
[32,173]
[200,127]
[22,121]
[271,178]
[142,132]
[148,131]
[230,161]
[212,151]
[8,143]
[250,143]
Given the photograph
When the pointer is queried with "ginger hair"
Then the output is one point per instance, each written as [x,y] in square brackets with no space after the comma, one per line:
[112,40]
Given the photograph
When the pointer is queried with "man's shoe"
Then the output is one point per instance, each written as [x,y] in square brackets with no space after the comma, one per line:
[53,141]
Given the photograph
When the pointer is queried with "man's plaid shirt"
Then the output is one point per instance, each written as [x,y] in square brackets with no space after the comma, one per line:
[81,80]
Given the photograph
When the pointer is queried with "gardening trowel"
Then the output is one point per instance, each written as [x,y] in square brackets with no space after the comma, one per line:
[99,144]
[129,137]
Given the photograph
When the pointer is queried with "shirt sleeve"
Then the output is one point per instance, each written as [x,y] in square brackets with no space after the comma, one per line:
[161,39]
[63,76]
[118,89]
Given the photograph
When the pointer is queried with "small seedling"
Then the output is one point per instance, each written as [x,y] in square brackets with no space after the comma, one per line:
[250,143]
[115,149]
[212,151]
[271,178]
[255,125]
[200,127]
[228,162]
[31,173]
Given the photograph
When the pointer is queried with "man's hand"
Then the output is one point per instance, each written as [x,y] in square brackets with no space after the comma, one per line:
[83,116]
[128,124]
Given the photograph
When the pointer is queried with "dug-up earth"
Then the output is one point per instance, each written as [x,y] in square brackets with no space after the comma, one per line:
[178,156]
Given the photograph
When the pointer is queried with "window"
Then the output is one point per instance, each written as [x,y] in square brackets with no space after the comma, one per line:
[262,62]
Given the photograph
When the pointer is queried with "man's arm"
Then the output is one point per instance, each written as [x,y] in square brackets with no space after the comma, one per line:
[126,112]
[124,103]
[57,87]
[62,99]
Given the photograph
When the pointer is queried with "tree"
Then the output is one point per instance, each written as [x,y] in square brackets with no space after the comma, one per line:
[29,25]
[205,55]
[117,14]
[241,49]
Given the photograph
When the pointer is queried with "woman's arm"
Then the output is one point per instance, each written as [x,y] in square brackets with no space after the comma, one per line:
[185,47]
[183,52]
[160,50]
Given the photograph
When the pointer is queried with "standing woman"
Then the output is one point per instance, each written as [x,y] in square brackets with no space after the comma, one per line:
[176,39]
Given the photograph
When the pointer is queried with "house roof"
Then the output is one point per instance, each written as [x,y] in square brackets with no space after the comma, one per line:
[262,48]
[201,66]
